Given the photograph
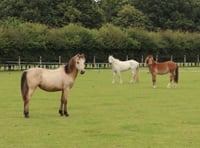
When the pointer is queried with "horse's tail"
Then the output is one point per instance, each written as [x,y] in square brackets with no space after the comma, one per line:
[137,73]
[24,85]
[176,75]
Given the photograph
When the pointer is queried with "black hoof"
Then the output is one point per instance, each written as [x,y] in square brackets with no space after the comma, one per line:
[26,114]
[60,112]
[66,114]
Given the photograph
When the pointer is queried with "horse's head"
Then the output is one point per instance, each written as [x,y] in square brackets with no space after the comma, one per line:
[76,63]
[110,59]
[80,63]
[149,60]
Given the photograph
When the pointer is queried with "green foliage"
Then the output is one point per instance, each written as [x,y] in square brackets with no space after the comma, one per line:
[128,16]
[154,14]
[171,14]
[32,40]
[71,39]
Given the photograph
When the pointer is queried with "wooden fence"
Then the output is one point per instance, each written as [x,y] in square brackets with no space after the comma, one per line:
[16,66]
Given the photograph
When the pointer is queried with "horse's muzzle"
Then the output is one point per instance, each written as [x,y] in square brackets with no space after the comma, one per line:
[82,72]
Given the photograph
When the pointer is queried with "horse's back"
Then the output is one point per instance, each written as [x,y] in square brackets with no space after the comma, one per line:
[34,76]
[134,64]
[164,67]
[172,65]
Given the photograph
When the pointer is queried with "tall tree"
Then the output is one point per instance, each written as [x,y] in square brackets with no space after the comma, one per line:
[111,8]
[171,14]
[129,16]
[53,13]
[91,14]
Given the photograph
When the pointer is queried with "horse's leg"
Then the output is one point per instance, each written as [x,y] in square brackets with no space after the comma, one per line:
[120,77]
[26,102]
[61,106]
[133,76]
[114,77]
[171,77]
[63,103]
[154,80]
[26,107]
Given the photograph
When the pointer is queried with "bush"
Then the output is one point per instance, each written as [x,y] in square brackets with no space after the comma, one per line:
[30,41]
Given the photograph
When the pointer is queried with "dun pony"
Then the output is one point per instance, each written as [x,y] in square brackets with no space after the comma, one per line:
[61,79]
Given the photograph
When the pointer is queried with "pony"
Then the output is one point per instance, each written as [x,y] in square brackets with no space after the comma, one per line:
[162,68]
[118,66]
[60,79]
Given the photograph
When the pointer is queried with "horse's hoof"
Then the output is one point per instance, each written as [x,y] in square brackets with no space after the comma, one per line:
[169,85]
[26,114]
[60,112]
[66,114]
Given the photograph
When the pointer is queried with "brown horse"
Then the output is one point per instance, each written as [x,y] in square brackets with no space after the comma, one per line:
[162,68]
[61,79]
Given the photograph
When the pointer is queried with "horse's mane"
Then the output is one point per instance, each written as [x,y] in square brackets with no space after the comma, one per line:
[69,67]
[113,58]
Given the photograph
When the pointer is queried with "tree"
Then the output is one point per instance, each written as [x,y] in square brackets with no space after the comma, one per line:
[91,14]
[53,13]
[110,8]
[171,14]
[128,16]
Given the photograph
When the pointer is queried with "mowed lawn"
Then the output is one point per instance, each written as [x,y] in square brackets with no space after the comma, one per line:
[104,115]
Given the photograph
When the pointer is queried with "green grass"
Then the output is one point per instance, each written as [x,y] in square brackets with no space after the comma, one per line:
[104,115]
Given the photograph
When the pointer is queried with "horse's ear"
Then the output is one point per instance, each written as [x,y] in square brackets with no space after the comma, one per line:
[82,55]
[78,55]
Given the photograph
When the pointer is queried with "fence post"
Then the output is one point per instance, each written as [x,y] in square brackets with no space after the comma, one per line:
[142,61]
[40,61]
[59,60]
[126,57]
[156,58]
[94,61]
[171,58]
[19,63]
[184,60]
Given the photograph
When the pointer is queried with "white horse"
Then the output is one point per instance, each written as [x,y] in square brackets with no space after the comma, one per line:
[118,66]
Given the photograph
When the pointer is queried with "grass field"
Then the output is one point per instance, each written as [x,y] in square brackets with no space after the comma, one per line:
[104,115]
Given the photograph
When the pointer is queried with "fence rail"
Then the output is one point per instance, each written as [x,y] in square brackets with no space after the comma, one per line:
[16,66]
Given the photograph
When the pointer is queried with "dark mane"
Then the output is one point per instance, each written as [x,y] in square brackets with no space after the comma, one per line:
[69,67]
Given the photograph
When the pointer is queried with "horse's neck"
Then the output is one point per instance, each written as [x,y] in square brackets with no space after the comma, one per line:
[152,65]
[116,60]
[72,72]
[75,73]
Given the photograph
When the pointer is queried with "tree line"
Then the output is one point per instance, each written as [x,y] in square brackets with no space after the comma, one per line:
[151,14]
[31,40]
[49,28]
